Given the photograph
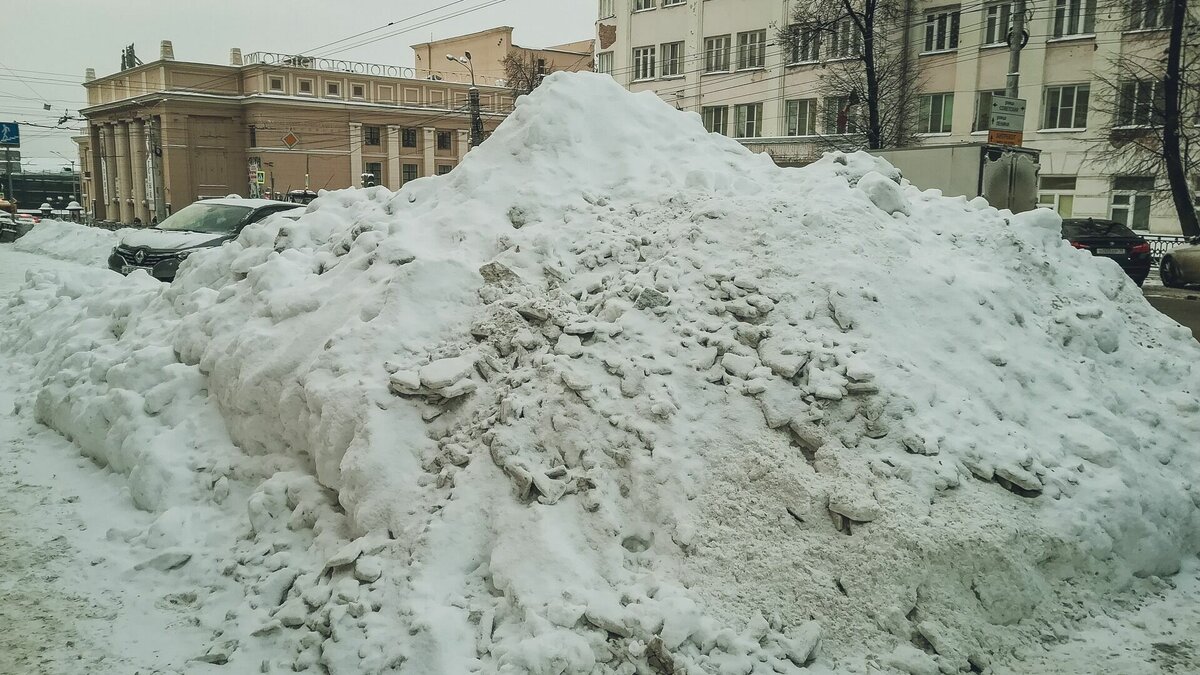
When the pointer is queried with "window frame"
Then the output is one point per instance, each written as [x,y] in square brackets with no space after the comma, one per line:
[806,44]
[1057,194]
[607,9]
[792,117]
[604,65]
[715,111]
[752,55]
[378,174]
[337,89]
[405,134]
[372,135]
[831,107]
[722,55]
[362,96]
[1001,23]
[1128,108]
[1143,194]
[983,114]
[943,26]
[447,169]
[845,41]
[1064,12]
[404,172]
[743,125]
[301,81]
[643,57]
[1140,9]
[944,113]
[271,79]
[674,63]
[441,134]
[644,5]
[1074,107]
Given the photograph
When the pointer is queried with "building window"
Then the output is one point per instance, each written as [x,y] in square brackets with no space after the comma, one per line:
[1065,107]
[1149,14]
[275,83]
[606,9]
[748,118]
[304,86]
[937,110]
[802,117]
[604,63]
[996,24]
[376,171]
[253,137]
[640,5]
[1131,199]
[845,41]
[941,30]
[806,42]
[358,91]
[370,135]
[1141,103]
[716,54]
[1074,17]
[672,59]
[333,89]
[409,172]
[443,169]
[408,138]
[643,63]
[445,141]
[1057,193]
[716,119]
[840,116]
[672,3]
[752,49]
[983,109]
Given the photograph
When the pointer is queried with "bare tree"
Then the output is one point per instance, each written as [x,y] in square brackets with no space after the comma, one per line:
[864,46]
[524,71]
[1144,135]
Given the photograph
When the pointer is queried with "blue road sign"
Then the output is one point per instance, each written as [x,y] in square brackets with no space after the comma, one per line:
[10,134]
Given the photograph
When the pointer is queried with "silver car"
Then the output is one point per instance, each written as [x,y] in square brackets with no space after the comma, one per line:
[1181,266]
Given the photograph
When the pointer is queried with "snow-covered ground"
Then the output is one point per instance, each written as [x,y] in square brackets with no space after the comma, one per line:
[617,398]
[69,241]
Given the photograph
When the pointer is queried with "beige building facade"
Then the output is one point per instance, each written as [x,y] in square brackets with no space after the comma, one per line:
[724,60]
[165,134]
[488,50]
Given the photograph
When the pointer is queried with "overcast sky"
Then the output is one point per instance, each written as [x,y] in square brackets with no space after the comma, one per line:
[45,46]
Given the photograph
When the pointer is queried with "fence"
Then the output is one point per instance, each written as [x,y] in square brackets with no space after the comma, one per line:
[1161,243]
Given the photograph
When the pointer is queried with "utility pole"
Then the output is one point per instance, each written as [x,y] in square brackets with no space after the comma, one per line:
[1016,42]
[1172,86]
[472,99]
[8,170]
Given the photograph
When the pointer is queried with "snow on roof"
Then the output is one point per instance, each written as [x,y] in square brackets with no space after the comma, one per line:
[616,397]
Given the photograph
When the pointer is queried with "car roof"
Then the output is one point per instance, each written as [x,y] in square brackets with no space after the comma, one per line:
[249,203]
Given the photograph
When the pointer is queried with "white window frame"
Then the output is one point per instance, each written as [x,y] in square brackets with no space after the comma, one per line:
[604,63]
[337,89]
[1137,107]
[1055,197]
[714,114]
[747,120]
[997,22]
[752,50]
[644,63]
[671,61]
[717,53]
[806,44]
[845,41]
[1073,19]
[271,79]
[312,86]
[832,106]
[607,9]
[673,3]
[937,107]
[1056,93]
[800,116]
[1149,14]
[643,5]
[363,95]
[941,30]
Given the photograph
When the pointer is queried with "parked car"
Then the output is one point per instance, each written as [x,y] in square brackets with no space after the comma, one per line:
[1112,240]
[9,230]
[204,224]
[1181,265]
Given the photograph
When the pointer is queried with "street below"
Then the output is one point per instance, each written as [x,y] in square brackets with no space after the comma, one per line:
[1183,305]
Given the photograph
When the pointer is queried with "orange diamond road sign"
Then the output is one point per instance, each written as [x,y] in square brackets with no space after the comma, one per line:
[290,140]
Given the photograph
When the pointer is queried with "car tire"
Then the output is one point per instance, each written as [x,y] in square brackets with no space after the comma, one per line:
[1169,272]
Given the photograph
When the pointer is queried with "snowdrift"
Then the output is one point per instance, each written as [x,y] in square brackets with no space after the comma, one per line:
[70,241]
[617,396]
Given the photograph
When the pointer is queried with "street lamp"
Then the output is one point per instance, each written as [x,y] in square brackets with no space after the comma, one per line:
[472,98]
[78,177]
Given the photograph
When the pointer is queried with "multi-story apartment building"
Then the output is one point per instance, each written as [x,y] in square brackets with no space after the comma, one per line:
[724,60]
[167,133]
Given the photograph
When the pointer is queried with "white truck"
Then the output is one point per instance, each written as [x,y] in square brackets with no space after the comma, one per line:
[1006,176]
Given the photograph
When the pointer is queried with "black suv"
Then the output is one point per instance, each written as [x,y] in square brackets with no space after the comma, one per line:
[201,225]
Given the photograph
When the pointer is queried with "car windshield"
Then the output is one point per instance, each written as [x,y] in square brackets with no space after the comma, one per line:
[1094,228]
[207,218]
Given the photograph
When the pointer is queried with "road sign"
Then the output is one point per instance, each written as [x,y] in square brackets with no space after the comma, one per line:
[291,140]
[10,134]
[1002,137]
[261,177]
[1008,114]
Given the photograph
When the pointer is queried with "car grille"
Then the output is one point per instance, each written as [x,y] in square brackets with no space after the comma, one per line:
[152,257]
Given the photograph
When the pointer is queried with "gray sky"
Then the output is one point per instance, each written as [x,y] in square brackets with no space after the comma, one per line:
[48,65]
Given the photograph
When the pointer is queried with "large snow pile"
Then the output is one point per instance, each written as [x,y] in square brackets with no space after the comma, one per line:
[619,396]
[83,244]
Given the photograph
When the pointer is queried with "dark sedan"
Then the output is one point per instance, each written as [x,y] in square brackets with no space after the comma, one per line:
[1112,240]
[204,224]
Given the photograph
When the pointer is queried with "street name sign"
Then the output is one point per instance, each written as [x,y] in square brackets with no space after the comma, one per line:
[1006,121]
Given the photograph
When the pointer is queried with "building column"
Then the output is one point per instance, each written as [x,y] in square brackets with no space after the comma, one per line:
[430,147]
[96,187]
[137,158]
[112,208]
[393,157]
[356,163]
[464,143]
[124,174]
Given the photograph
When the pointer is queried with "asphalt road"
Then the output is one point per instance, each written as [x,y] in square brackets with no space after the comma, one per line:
[1181,305]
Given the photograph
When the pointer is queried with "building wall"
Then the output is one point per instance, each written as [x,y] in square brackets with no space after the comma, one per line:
[488,50]
[965,71]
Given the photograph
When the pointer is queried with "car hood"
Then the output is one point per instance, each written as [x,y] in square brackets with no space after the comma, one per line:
[165,240]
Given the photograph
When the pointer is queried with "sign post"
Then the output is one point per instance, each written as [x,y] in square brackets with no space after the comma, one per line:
[1006,123]
[10,137]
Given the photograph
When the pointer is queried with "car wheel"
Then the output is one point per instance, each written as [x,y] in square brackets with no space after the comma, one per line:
[1169,271]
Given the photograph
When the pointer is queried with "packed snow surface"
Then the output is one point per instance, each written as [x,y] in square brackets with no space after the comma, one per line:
[621,397]
[74,242]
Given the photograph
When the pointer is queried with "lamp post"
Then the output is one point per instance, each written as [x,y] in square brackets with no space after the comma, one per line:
[472,98]
[78,178]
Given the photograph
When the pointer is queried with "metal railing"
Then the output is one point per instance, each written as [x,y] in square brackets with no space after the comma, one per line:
[344,66]
[1160,244]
